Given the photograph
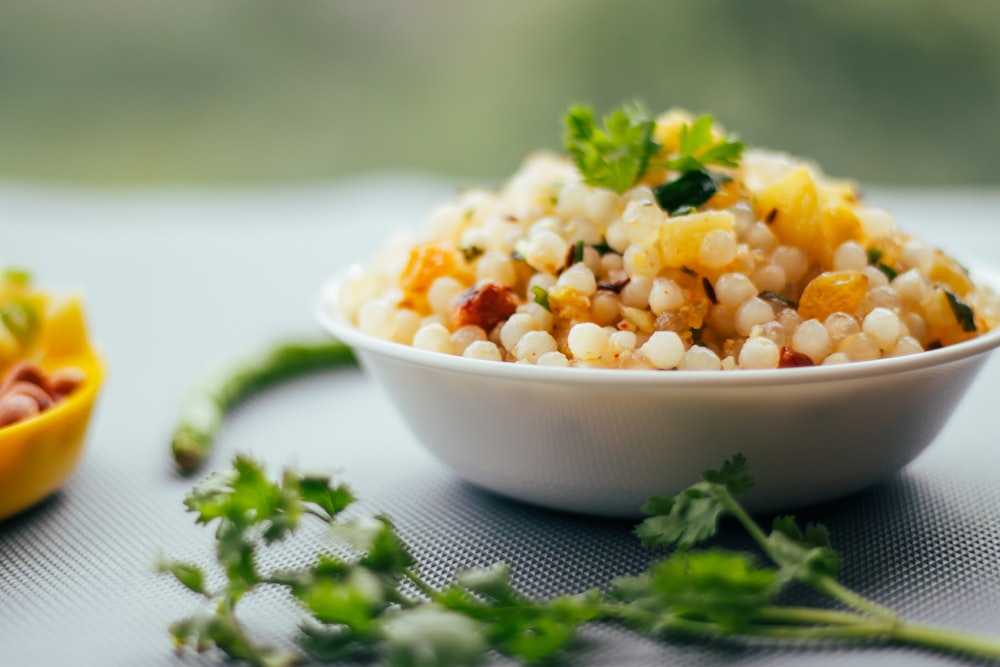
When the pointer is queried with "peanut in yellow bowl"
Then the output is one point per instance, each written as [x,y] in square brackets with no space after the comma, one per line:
[38,453]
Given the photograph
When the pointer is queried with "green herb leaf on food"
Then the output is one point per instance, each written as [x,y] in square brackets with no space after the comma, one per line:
[471,253]
[963,312]
[541,297]
[688,191]
[615,156]
[875,259]
[697,148]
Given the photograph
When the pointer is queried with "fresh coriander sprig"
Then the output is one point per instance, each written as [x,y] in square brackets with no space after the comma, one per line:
[615,157]
[357,606]
[619,155]
[363,606]
[697,150]
[722,593]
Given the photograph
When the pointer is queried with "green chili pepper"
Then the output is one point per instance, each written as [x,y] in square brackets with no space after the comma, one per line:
[206,404]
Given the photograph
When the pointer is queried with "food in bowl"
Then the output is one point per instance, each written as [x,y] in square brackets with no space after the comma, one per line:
[560,268]
[50,380]
[661,244]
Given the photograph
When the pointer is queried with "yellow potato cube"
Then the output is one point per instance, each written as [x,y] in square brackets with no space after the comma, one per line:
[568,304]
[840,224]
[680,237]
[791,207]
[947,271]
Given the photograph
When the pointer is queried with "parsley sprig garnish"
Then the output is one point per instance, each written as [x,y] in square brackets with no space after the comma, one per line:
[615,156]
[364,598]
[698,148]
[620,154]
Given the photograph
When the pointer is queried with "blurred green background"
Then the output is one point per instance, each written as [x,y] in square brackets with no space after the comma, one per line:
[251,91]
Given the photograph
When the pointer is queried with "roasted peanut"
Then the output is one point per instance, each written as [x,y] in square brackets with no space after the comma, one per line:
[15,407]
[23,371]
[64,381]
[27,390]
[41,397]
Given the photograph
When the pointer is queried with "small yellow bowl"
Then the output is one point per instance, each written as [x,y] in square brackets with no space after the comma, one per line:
[38,454]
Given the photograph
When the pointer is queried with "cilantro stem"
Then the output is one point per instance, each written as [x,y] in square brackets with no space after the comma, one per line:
[823,584]
[947,639]
[421,585]
[832,625]
[834,589]
[723,495]
[912,634]
[319,514]
[804,623]
[809,616]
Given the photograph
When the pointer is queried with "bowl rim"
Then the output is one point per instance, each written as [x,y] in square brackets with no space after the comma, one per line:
[336,324]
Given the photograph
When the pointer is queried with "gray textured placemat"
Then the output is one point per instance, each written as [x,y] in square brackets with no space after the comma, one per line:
[77,585]
[178,283]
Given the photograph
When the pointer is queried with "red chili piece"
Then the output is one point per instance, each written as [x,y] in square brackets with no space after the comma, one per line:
[792,359]
[485,306]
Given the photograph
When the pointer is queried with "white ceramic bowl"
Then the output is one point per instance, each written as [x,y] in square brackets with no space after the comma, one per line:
[604,441]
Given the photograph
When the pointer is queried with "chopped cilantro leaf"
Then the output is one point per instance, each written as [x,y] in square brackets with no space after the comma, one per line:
[470,253]
[686,192]
[603,248]
[875,256]
[889,272]
[541,297]
[963,312]
[778,300]
[697,148]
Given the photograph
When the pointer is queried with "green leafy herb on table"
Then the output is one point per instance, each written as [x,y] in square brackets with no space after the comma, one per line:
[373,603]
[359,606]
